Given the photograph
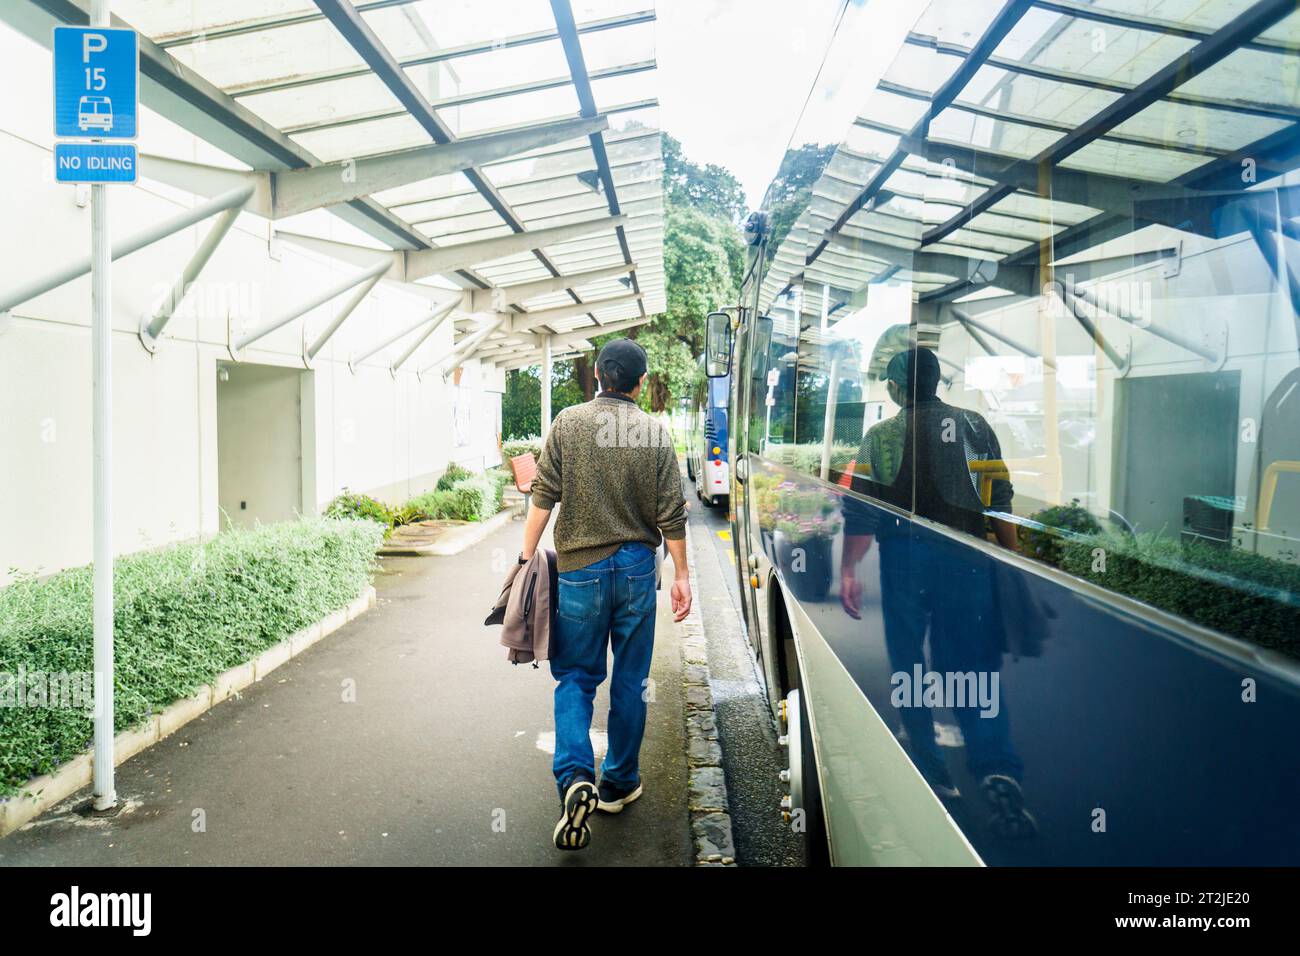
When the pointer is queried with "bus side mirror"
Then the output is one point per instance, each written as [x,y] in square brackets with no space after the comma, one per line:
[717,344]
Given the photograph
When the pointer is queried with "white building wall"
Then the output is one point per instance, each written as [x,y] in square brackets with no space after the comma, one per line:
[371,431]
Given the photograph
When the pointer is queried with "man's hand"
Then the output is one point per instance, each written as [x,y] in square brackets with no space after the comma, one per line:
[534,525]
[681,595]
[851,594]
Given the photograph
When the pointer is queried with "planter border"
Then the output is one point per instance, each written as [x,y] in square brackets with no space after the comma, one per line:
[43,792]
[455,540]
[710,816]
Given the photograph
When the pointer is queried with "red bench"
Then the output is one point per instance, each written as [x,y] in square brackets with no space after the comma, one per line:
[524,469]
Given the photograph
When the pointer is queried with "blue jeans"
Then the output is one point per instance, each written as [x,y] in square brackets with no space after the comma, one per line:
[920,594]
[609,602]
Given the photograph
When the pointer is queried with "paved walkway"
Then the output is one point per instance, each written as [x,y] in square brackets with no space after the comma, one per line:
[443,758]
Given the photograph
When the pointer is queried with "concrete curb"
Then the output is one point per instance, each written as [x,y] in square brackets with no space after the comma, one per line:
[46,791]
[709,809]
[455,540]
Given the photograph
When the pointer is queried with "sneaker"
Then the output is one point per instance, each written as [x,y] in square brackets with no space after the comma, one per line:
[577,806]
[1009,819]
[613,797]
[943,786]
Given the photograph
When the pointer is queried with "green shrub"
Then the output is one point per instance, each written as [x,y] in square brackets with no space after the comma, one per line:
[503,479]
[349,504]
[184,614]
[1246,595]
[453,474]
[433,504]
[478,496]
[408,514]
[520,446]
[1044,544]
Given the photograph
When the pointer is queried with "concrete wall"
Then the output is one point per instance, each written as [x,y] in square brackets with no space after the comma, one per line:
[366,429]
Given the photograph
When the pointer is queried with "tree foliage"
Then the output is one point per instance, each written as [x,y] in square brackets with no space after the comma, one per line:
[704,260]
[791,190]
[711,189]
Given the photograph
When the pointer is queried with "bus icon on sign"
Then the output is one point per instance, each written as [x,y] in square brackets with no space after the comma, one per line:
[94,112]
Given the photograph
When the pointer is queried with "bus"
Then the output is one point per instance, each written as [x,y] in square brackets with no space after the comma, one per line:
[707,454]
[1015,433]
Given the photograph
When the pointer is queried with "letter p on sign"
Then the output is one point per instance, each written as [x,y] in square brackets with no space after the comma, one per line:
[92,43]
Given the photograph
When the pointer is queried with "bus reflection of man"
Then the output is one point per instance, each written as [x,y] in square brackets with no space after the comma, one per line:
[918,461]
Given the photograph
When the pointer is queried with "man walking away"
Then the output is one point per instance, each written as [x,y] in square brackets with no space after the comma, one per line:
[614,469]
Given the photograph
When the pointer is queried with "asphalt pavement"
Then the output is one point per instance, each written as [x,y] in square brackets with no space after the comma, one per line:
[405,738]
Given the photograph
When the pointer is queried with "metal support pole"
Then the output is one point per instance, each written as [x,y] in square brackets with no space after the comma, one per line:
[1097,302]
[151,328]
[378,269]
[970,323]
[436,316]
[1089,326]
[349,307]
[439,317]
[467,348]
[124,247]
[546,385]
[832,402]
[101,299]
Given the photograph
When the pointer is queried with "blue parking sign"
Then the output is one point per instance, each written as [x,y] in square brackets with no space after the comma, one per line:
[96,85]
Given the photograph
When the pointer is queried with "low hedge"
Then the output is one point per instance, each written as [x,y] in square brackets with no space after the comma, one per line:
[184,614]
[1246,595]
[351,504]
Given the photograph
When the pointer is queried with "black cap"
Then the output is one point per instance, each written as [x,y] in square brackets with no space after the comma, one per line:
[917,367]
[621,364]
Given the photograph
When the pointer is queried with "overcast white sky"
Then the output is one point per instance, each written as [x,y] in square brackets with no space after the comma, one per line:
[734,74]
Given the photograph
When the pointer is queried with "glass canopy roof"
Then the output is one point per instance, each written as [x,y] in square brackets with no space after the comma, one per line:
[308,70]
[1001,124]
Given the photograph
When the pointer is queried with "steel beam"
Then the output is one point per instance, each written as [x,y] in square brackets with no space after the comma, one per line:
[446,259]
[358,296]
[280,194]
[1020,347]
[468,99]
[1039,71]
[569,37]
[590,331]
[152,325]
[328,184]
[487,45]
[462,352]
[260,24]
[433,327]
[531,320]
[495,300]
[1134,21]
[124,247]
[1210,51]
[435,317]
[1091,328]
[319,298]
[1002,24]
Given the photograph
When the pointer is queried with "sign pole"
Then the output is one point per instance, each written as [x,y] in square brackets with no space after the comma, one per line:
[101,308]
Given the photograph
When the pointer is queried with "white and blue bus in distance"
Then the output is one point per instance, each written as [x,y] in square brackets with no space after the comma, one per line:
[706,445]
[1015,440]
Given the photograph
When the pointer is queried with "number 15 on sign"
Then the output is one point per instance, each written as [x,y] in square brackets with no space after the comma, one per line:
[96,86]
